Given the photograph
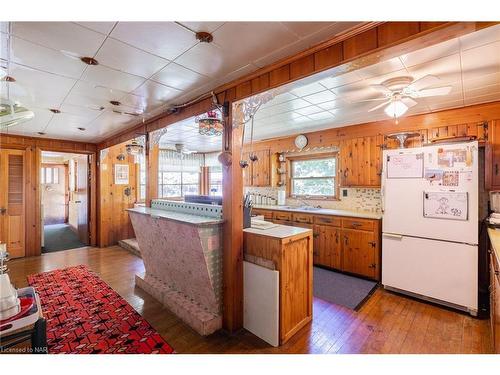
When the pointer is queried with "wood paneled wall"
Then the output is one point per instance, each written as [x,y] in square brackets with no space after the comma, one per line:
[33,147]
[458,121]
[114,221]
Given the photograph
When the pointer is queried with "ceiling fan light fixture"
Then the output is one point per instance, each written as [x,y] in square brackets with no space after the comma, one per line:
[396,109]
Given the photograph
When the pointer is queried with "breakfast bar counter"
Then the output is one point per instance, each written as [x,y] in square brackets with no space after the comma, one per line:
[181,246]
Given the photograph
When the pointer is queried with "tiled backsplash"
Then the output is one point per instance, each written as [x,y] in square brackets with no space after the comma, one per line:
[357,199]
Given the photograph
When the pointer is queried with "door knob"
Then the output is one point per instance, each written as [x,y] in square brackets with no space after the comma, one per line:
[3,210]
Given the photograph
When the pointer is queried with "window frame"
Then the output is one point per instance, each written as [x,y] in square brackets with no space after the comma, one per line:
[290,178]
[181,184]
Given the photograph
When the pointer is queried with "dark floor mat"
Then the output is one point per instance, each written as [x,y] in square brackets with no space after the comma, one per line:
[341,289]
[60,237]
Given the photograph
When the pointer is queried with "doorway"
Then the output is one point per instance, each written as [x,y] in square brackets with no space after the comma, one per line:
[64,201]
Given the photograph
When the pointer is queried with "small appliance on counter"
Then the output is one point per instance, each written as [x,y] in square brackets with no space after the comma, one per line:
[10,305]
[494,218]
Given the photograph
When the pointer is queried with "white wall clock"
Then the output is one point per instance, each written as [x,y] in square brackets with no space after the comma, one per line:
[301,141]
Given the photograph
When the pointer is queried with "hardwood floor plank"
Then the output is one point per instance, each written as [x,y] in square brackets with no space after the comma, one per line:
[386,323]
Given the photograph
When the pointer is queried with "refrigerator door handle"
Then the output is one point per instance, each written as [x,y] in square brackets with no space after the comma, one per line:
[392,236]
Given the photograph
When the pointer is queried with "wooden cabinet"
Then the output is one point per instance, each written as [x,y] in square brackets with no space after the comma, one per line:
[495,303]
[292,257]
[360,161]
[492,159]
[268,215]
[343,243]
[359,252]
[263,171]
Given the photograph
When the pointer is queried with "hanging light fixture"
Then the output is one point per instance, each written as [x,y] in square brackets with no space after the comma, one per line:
[396,108]
[210,124]
[134,148]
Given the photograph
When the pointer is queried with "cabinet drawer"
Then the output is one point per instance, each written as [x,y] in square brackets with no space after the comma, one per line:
[327,220]
[361,224]
[282,222]
[268,215]
[302,218]
[280,215]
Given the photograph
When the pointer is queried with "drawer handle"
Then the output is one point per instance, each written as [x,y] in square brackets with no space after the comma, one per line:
[356,224]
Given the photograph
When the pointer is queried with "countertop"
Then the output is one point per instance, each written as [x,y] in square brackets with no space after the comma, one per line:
[279,231]
[494,235]
[324,211]
[177,216]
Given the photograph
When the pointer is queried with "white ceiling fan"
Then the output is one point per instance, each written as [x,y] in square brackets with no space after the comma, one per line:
[400,93]
[179,147]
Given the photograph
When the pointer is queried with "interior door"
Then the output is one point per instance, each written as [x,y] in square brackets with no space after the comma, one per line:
[80,196]
[12,201]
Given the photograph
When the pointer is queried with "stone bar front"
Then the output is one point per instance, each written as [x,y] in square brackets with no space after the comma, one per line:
[181,246]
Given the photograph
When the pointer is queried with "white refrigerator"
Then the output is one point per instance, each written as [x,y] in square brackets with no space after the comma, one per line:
[430,223]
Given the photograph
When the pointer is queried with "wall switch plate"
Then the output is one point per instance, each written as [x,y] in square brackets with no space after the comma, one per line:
[344,192]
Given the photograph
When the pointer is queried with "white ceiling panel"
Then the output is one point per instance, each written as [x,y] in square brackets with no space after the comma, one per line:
[208,27]
[103,76]
[302,29]
[179,77]
[165,39]
[435,52]
[156,92]
[101,27]
[320,97]
[479,38]
[482,60]
[43,58]
[61,36]
[128,59]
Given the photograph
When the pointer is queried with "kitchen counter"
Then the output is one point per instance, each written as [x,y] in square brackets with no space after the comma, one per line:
[494,235]
[279,231]
[177,216]
[324,211]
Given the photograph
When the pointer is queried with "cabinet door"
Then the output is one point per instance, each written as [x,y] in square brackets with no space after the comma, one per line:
[495,307]
[261,169]
[358,255]
[493,291]
[327,246]
[12,201]
[360,161]
[493,156]
[247,172]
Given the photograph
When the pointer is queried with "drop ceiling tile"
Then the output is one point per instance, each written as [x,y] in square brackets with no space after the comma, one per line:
[165,39]
[321,115]
[278,99]
[309,110]
[341,80]
[153,91]
[302,29]
[381,68]
[332,104]
[100,75]
[141,102]
[481,81]
[438,106]
[431,53]
[179,77]
[61,36]
[196,59]
[101,27]
[86,94]
[123,57]
[310,89]
[447,69]
[208,27]
[481,60]
[485,36]
[43,58]
[85,113]
[482,91]
[482,99]
[320,97]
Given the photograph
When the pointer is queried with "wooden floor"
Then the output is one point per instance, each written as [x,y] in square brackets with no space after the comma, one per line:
[387,323]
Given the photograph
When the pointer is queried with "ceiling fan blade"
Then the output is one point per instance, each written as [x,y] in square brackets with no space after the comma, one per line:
[409,102]
[423,82]
[382,89]
[445,90]
[379,106]
[372,100]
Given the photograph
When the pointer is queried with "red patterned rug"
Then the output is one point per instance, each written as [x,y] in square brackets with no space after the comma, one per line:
[85,316]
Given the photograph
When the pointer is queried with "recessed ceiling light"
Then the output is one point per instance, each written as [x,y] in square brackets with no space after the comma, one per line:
[89,60]
[204,37]
[41,133]
[82,129]
[54,110]
[115,102]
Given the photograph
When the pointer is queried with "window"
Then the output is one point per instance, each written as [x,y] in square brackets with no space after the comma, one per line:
[178,174]
[49,175]
[215,174]
[141,177]
[313,177]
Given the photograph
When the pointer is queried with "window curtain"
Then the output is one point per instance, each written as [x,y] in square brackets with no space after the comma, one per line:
[173,161]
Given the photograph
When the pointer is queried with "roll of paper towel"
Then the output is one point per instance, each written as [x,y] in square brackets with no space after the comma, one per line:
[281,197]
